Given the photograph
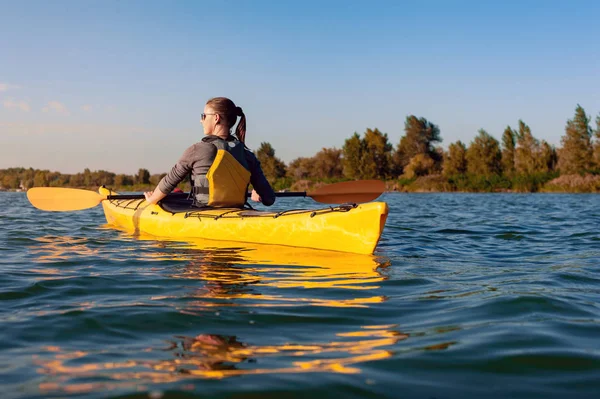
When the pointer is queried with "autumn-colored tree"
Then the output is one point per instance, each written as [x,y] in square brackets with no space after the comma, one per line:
[483,155]
[575,156]
[327,164]
[419,138]
[508,151]
[455,160]
[272,166]
[527,150]
[300,168]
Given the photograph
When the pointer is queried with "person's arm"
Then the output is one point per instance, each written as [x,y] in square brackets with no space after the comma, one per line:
[263,192]
[152,197]
[179,172]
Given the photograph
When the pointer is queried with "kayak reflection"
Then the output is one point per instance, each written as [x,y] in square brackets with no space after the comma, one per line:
[239,276]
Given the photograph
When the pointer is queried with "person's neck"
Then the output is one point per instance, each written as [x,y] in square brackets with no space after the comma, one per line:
[221,132]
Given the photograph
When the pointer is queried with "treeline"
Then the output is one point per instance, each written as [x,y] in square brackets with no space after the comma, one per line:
[21,178]
[518,162]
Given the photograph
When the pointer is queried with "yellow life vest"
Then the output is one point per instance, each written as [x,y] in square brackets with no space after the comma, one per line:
[228,181]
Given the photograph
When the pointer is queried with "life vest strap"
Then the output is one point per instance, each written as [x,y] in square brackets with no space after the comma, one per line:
[200,190]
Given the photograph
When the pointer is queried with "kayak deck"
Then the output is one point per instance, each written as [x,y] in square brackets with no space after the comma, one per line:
[348,228]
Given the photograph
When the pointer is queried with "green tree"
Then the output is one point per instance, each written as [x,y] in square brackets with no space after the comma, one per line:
[27,177]
[419,138]
[596,147]
[272,166]
[376,156]
[56,179]
[87,178]
[369,157]
[455,160]
[154,179]
[125,180]
[575,156]
[40,179]
[527,150]
[143,176]
[104,178]
[483,155]
[546,161]
[352,152]
[10,181]
[508,151]
[419,165]
[76,180]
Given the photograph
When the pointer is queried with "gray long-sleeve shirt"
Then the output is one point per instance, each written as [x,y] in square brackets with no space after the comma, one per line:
[199,157]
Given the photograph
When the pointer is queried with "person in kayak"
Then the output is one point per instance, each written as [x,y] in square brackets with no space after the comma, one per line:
[220,165]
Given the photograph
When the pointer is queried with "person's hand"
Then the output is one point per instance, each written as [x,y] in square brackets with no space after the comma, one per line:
[148,194]
[255,197]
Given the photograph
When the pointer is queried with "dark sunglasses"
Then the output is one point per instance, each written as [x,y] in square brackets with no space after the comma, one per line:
[203,115]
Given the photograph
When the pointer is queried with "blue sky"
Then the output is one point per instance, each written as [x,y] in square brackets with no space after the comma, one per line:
[120,85]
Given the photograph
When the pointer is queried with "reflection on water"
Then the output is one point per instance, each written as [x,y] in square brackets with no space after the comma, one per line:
[60,248]
[226,276]
[211,356]
[238,277]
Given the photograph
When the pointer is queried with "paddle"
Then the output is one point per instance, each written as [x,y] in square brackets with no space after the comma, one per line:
[73,199]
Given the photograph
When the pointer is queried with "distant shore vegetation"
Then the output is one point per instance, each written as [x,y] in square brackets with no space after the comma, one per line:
[518,162]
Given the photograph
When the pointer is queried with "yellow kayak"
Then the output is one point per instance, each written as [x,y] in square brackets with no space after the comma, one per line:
[352,228]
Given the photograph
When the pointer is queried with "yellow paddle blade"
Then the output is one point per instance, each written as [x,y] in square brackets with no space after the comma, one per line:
[348,191]
[63,199]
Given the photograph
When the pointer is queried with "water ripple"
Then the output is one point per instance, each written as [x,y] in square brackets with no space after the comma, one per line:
[467,295]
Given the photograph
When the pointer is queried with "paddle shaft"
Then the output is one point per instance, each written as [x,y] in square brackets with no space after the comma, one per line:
[141,196]
[291,194]
[182,195]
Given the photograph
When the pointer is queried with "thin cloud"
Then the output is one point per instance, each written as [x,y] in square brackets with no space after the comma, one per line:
[55,106]
[20,129]
[20,105]
[7,87]
[86,108]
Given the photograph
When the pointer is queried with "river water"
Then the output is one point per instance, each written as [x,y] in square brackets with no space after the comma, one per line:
[467,296]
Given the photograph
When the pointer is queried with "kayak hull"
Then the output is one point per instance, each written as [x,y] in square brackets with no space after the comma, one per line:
[346,228]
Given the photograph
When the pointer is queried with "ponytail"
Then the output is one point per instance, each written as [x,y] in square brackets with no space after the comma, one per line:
[240,130]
